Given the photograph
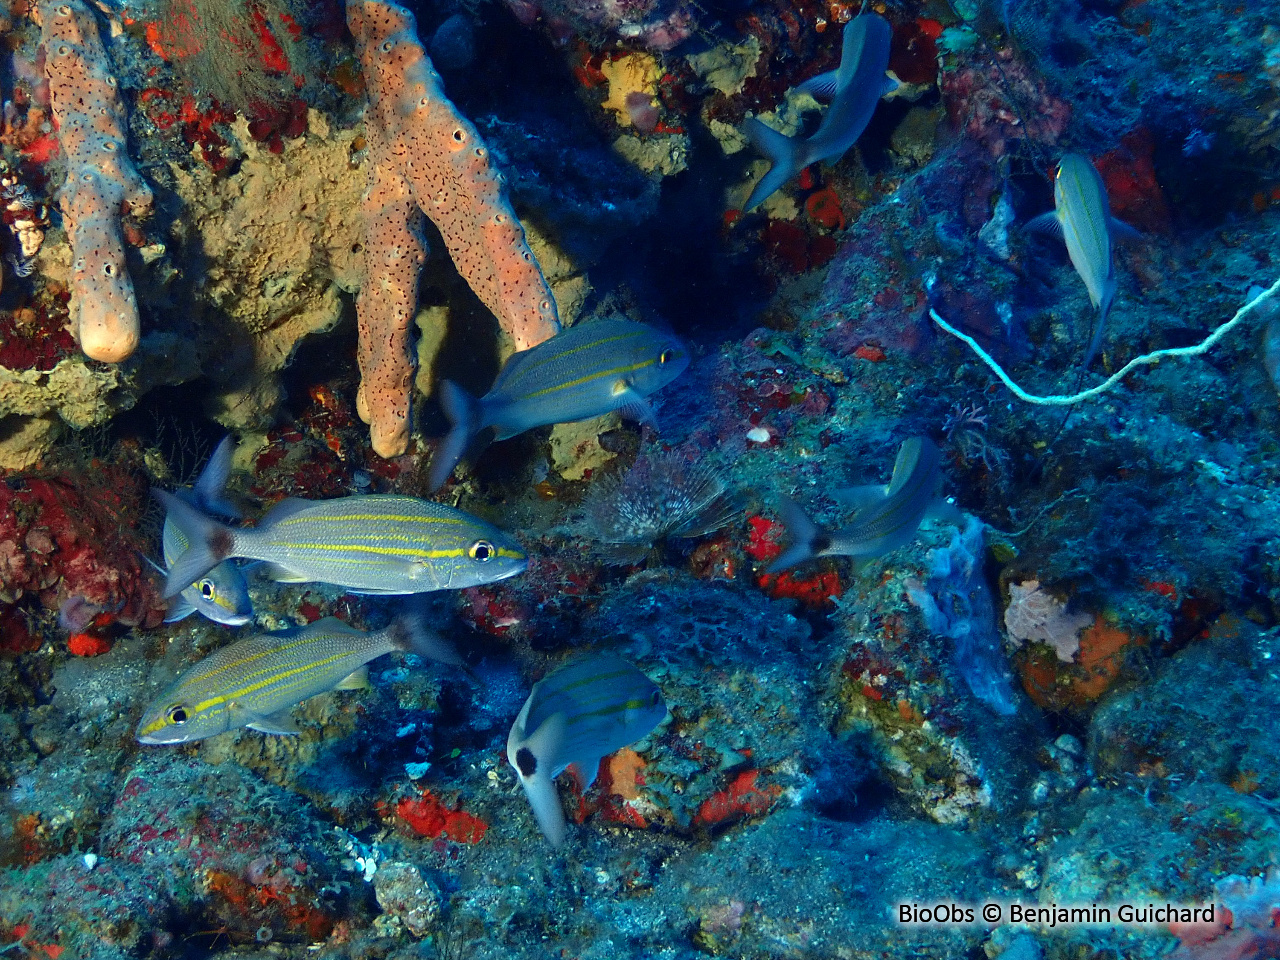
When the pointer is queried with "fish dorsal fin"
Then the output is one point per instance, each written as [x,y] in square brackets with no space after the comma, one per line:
[821,87]
[281,722]
[356,681]
[909,455]
[283,510]
[1047,224]
[209,492]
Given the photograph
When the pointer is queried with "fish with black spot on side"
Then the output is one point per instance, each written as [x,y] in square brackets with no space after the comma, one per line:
[887,517]
[854,90]
[256,682]
[1082,219]
[221,594]
[373,544]
[588,370]
[574,717]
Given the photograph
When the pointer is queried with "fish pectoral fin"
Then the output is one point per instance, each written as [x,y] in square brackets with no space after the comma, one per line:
[1046,223]
[636,407]
[890,85]
[1123,232]
[359,680]
[281,722]
[584,773]
[821,87]
[282,574]
[179,609]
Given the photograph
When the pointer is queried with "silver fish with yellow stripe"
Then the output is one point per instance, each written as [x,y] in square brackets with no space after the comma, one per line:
[256,682]
[378,544]
[1082,219]
[887,517]
[575,717]
[585,371]
[221,595]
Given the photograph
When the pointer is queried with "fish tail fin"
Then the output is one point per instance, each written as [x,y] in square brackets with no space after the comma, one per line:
[210,495]
[210,543]
[804,537]
[782,151]
[409,633]
[463,411]
[531,761]
[1104,307]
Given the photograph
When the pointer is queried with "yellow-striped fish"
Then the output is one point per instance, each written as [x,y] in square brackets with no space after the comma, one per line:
[887,518]
[1082,219]
[576,716]
[256,682]
[368,544]
[585,371]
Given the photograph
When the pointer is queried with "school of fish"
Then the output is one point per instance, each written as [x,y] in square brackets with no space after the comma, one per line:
[399,545]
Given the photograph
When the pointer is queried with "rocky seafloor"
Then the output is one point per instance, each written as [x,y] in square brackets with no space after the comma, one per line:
[1113,580]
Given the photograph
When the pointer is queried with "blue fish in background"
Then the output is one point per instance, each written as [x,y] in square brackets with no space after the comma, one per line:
[588,370]
[855,89]
[221,595]
[1082,219]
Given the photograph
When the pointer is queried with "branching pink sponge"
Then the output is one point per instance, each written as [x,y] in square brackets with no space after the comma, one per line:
[100,180]
[424,156]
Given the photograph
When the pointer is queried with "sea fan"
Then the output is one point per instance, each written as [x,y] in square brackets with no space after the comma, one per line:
[663,495]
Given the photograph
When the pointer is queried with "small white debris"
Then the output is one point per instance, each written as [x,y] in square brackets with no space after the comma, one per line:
[90,860]
[759,435]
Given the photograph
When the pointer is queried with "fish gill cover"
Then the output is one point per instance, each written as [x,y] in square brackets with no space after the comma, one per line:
[905,607]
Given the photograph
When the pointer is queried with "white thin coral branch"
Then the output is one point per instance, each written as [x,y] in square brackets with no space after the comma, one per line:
[1061,400]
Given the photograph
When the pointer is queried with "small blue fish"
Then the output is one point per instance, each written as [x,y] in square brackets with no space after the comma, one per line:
[221,595]
[575,717]
[1082,219]
[888,517]
[376,544]
[585,371]
[855,89]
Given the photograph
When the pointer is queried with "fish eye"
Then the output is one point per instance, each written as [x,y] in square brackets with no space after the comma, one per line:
[666,356]
[481,550]
[177,715]
[206,589]
[655,698]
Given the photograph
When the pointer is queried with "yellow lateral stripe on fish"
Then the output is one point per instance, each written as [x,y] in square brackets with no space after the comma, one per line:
[345,518]
[388,551]
[623,707]
[255,687]
[590,345]
[632,368]
[269,652]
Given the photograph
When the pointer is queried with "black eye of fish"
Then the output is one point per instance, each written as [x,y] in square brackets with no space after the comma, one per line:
[654,698]
[481,550]
[206,589]
[177,715]
[666,356]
